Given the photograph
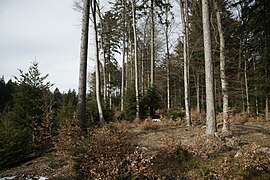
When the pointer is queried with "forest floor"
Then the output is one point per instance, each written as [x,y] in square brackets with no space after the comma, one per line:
[166,150]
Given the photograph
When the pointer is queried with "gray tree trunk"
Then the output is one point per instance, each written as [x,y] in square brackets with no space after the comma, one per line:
[198,92]
[94,15]
[104,57]
[266,108]
[123,57]
[152,76]
[83,66]
[224,84]
[209,76]
[168,58]
[256,92]
[184,12]
[110,91]
[246,86]
[136,59]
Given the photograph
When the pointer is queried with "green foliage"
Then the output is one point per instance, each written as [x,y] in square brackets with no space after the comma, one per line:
[92,110]
[68,104]
[182,155]
[175,113]
[14,140]
[78,153]
[130,104]
[27,128]
[150,102]
[6,91]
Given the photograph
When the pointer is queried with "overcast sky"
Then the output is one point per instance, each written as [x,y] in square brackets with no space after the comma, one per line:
[46,29]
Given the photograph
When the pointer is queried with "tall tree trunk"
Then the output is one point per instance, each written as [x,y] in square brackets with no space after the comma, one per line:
[94,13]
[266,108]
[223,78]
[246,85]
[152,45]
[124,56]
[136,59]
[198,92]
[83,66]
[168,57]
[186,61]
[209,75]
[266,94]
[104,57]
[256,92]
[110,91]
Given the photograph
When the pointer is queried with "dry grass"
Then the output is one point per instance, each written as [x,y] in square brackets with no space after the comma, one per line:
[158,150]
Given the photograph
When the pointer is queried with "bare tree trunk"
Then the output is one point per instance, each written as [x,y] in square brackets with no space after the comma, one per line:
[256,92]
[246,85]
[223,78]
[168,59]
[123,58]
[104,80]
[136,60]
[266,108]
[242,95]
[83,66]
[184,17]
[198,92]
[100,112]
[104,57]
[110,91]
[142,71]
[152,45]
[209,75]
[186,65]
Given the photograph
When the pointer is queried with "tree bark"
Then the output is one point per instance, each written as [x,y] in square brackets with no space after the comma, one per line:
[266,108]
[246,85]
[136,59]
[168,58]
[184,17]
[123,57]
[83,66]
[223,78]
[100,112]
[152,45]
[198,92]
[210,99]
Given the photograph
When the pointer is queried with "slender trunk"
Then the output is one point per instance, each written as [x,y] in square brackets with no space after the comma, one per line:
[136,59]
[168,59]
[198,92]
[123,74]
[83,66]
[202,99]
[186,66]
[246,85]
[104,57]
[104,80]
[266,108]
[142,71]
[266,96]
[210,99]
[110,91]
[100,112]
[152,45]
[184,17]
[243,96]
[256,92]
[224,83]
[123,57]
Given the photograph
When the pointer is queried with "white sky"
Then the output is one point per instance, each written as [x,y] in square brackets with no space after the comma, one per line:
[46,29]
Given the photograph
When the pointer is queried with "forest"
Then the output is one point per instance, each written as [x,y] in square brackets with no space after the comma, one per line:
[180,90]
